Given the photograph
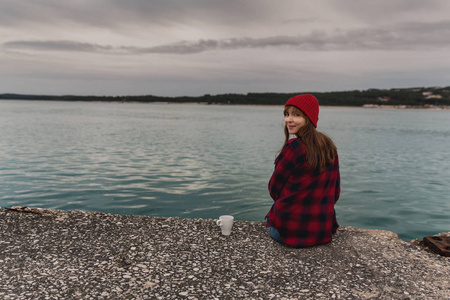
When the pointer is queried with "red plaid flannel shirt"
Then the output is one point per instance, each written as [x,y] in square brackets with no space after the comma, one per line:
[303,211]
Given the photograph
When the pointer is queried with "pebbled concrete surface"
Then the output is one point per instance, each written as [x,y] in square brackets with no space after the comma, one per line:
[51,254]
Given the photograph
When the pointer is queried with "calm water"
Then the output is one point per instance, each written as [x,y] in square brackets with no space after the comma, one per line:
[199,161]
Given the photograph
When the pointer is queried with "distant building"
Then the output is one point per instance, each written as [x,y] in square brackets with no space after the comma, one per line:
[433,97]
[384,99]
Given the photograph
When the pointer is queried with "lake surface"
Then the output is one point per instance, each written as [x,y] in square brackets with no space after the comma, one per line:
[200,161]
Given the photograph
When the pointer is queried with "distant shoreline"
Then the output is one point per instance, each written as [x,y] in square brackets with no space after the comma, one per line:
[380,107]
[425,107]
[434,98]
[370,106]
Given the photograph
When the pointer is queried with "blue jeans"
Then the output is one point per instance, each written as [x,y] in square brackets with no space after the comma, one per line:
[274,234]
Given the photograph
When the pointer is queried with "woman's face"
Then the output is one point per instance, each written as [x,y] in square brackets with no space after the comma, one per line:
[294,119]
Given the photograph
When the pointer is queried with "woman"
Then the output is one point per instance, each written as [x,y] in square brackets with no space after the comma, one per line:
[305,184]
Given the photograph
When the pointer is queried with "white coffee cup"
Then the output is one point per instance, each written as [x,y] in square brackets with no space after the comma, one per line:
[225,222]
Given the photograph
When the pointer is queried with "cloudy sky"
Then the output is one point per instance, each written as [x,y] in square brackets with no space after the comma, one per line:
[197,47]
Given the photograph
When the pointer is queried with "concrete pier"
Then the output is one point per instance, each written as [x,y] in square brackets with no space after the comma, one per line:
[51,254]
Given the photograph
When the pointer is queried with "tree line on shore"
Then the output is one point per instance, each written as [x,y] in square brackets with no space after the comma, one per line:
[417,97]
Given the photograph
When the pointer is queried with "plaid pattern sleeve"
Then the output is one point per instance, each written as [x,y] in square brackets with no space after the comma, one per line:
[303,209]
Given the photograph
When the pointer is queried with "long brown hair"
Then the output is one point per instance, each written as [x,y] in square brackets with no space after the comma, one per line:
[320,149]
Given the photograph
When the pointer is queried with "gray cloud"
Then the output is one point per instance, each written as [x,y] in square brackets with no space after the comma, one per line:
[117,13]
[382,11]
[300,20]
[405,36]
[172,47]
[57,46]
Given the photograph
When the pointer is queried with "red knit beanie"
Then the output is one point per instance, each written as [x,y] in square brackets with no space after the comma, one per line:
[308,104]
